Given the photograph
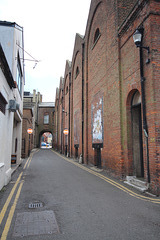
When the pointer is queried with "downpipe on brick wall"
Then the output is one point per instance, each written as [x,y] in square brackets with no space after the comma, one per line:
[138,38]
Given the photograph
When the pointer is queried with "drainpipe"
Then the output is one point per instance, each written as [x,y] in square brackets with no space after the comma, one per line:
[145,127]
[83,103]
[69,113]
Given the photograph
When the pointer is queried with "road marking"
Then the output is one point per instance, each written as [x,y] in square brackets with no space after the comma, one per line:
[30,161]
[26,163]
[112,182]
[4,209]
[11,213]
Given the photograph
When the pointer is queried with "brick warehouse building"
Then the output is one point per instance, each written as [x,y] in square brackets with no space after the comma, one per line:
[109,96]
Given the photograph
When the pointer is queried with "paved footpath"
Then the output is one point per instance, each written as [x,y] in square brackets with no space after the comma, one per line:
[53,197]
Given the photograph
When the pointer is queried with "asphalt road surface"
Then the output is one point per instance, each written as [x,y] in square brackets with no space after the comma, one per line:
[53,197]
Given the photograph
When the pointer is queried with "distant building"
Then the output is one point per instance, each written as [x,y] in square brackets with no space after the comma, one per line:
[31,101]
[42,120]
[27,139]
[12,77]
[45,119]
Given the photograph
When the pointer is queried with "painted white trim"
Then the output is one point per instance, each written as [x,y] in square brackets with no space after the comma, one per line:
[1,165]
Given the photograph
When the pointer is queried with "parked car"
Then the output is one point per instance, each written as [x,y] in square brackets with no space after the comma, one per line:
[43,144]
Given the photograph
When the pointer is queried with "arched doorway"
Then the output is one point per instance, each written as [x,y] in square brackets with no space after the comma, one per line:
[137,142]
[46,140]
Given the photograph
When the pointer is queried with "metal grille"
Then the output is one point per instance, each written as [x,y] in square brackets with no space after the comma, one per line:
[35,205]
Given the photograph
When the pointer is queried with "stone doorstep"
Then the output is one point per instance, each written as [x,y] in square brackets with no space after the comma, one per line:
[136,183]
[96,169]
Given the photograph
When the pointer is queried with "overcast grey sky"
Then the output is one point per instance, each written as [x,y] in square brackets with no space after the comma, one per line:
[50,27]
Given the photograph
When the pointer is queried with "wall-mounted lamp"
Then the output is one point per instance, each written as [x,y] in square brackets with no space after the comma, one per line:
[64,111]
[137,38]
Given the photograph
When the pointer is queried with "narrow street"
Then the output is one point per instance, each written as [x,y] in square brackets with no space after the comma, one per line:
[53,197]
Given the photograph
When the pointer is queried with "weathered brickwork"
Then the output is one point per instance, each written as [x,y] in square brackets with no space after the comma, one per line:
[130,82]
[27,144]
[66,109]
[101,92]
[56,122]
[58,113]
[42,125]
[77,97]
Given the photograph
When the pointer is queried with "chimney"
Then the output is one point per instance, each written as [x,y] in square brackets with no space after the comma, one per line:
[34,95]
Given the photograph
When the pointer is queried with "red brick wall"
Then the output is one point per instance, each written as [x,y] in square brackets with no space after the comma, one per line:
[27,123]
[102,78]
[76,97]
[130,81]
[60,107]
[66,111]
[56,123]
[45,127]
[77,103]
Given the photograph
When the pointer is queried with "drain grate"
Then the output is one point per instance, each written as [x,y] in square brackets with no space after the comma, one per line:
[35,205]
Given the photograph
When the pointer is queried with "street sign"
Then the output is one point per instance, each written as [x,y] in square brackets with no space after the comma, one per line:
[65,131]
[30,130]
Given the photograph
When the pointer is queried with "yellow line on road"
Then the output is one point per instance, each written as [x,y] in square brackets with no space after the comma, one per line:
[2,214]
[30,161]
[11,213]
[26,163]
[112,182]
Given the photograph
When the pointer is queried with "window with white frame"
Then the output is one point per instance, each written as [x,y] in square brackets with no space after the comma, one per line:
[46,118]
[19,76]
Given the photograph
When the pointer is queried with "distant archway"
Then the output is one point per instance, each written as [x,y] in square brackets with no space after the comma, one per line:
[46,139]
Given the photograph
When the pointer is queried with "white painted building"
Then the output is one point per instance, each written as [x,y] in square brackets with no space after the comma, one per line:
[12,77]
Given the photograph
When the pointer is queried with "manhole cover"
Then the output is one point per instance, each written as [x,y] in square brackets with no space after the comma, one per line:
[35,223]
[35,205]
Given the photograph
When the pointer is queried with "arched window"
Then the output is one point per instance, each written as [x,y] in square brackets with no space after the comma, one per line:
[77,71]
[96,37]
[66,89]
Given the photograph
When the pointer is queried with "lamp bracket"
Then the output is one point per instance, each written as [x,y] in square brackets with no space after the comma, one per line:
[143,79]
[147,48]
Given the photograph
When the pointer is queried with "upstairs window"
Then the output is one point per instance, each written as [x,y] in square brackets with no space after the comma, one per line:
[46,118]
[96,37]
[66,89]
[3,103]
[19,76]
[77,72]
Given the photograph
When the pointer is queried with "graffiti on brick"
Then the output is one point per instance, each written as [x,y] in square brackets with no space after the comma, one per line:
[76,127]
[97,120]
